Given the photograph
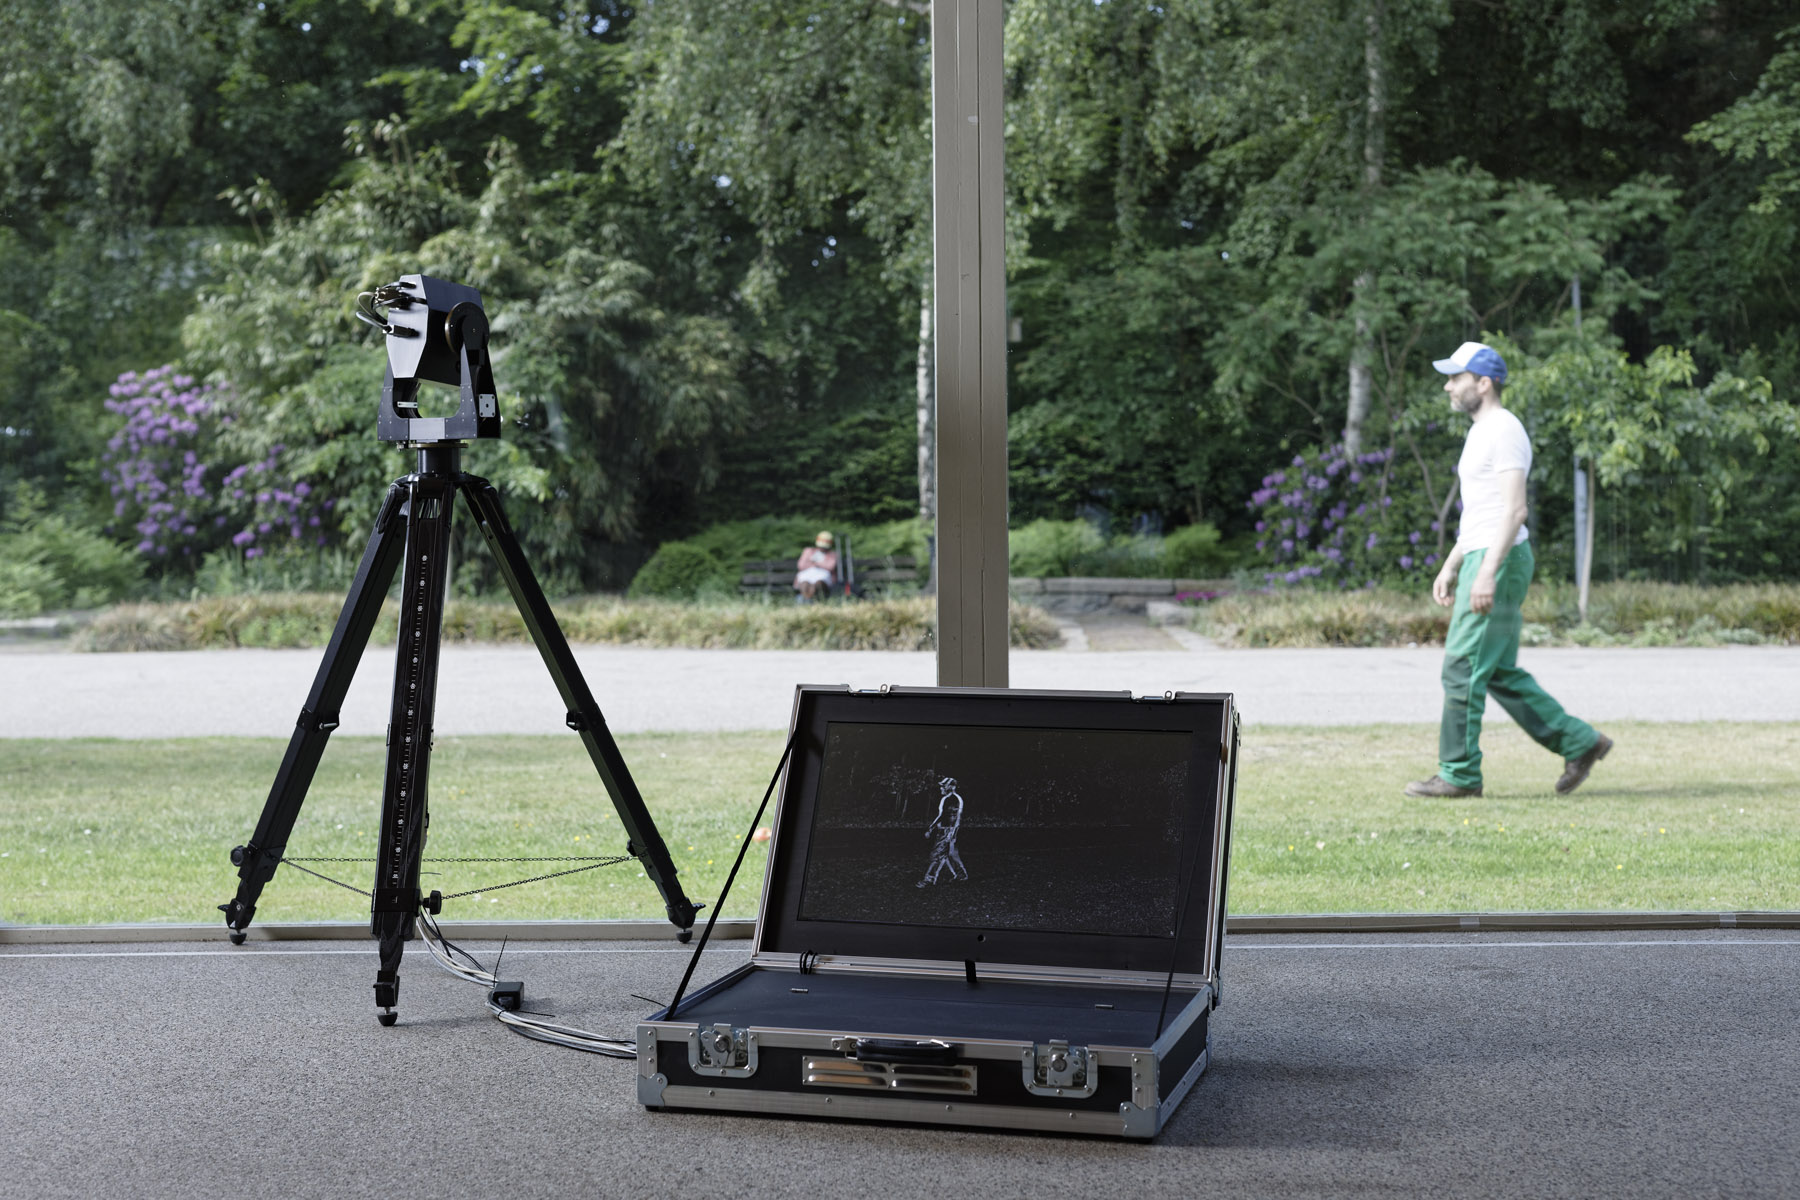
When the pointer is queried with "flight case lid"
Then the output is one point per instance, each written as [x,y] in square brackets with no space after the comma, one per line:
[1081,832]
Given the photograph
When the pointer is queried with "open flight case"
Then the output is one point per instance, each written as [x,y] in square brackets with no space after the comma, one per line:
[982,907]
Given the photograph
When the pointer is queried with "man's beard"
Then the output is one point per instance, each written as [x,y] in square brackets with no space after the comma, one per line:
[1469,405]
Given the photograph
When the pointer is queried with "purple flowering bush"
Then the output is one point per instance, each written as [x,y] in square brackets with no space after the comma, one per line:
[1334,521]
[176,485]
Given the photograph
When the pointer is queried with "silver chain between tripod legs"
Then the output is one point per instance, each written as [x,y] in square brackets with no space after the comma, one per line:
[593,864]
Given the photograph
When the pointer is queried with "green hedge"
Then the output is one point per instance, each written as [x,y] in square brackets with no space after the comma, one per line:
[709,564]
[1045,549]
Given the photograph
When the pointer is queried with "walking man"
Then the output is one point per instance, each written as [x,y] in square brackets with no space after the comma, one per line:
[1485,577]
[948,821]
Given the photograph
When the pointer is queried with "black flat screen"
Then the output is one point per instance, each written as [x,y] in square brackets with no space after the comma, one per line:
[1029,829]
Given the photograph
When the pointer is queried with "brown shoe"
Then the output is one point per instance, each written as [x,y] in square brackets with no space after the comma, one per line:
[1440,787]
[1575,770]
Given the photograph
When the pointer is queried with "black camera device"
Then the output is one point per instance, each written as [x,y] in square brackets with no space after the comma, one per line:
[437,332]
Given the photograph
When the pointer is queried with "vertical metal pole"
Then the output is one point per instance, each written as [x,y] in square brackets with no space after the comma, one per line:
[1580,539]
[969,291]
[1584,502]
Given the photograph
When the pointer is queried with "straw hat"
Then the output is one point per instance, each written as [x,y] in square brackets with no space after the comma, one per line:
[824,539]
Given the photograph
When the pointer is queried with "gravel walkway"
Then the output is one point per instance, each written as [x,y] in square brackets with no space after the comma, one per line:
[504,689]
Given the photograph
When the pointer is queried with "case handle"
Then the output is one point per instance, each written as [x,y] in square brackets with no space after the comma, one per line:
[898,1050]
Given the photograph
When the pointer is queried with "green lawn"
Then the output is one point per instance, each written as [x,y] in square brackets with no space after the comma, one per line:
[1679,817]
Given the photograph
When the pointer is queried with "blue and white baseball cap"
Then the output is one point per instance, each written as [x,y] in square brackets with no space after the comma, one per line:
[1478,358]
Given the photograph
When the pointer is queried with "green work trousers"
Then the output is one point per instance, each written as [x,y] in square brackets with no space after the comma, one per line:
[1481,657]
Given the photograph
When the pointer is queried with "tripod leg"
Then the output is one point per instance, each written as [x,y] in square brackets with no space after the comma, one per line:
[584,717]
[404,813]
[256,862]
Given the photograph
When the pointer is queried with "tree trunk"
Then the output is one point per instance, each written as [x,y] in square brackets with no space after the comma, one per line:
[1375,129]
[1361,379]
[927,411]
[1374,151]
[1584,537]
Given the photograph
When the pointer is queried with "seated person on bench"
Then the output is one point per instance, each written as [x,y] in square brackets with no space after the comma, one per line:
[817,569]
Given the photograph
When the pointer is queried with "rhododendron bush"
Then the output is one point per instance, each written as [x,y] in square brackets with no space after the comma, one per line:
[179,487]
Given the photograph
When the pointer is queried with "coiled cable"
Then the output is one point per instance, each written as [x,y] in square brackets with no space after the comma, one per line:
[467,967]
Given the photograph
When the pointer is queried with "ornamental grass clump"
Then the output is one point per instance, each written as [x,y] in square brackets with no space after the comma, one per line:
[1770,610]
[1304,618]
[268,620]
[1625,613]
[306,620]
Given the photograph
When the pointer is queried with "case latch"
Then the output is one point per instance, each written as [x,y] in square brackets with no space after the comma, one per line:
[1059,1069]
[722,1051]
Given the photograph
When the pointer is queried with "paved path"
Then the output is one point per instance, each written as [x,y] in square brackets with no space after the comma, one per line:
[1640,1066]
[504,689]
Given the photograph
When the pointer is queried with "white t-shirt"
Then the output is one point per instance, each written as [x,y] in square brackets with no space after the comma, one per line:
[1498,442]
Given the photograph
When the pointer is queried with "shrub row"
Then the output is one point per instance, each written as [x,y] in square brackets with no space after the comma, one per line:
[1061,549]
[218,622]
[708,565]
[1639,614]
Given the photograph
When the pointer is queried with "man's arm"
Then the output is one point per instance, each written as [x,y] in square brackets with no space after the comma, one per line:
[1443,588]
[1512,496]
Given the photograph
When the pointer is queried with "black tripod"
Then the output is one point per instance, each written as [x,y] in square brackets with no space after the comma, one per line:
[414,526]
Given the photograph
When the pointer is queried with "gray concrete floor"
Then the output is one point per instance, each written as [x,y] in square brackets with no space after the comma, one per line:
[1581,1065]
[504,689]
[1640,1065]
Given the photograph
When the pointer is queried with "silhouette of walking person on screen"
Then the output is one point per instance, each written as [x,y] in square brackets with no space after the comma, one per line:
[947,822]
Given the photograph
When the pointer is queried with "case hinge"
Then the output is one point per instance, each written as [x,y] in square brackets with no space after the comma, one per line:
[722,1051]
[1059,1069]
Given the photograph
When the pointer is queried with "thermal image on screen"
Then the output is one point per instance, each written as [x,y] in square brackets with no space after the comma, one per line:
[1053,830]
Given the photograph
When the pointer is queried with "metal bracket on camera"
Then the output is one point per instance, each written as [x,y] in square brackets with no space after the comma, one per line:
[437,332]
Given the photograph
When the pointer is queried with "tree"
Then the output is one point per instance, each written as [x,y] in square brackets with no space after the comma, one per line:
[1677,452]
[1765,124]
[610,400]
[716,217]
[125,124]
[1458,251]
[787,149]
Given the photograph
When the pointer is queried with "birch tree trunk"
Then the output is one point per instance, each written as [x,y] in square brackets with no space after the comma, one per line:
[1374,150]
[927,411]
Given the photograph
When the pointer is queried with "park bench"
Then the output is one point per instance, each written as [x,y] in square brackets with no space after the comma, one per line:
[871,575]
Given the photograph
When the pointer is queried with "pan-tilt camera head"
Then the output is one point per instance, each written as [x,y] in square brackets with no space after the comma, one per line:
[436,332]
